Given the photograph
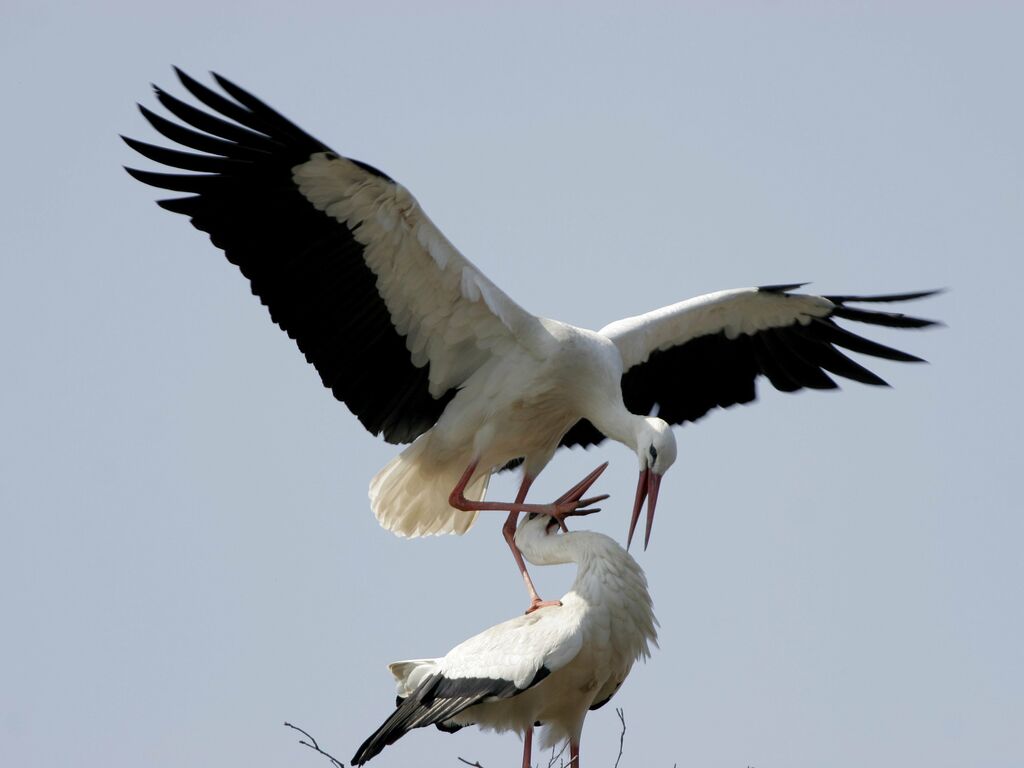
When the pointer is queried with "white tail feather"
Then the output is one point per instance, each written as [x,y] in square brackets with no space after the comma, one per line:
[409,496]
[410,674]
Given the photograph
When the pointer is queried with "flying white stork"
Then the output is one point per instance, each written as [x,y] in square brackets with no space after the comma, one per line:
[423,348]
[551,666]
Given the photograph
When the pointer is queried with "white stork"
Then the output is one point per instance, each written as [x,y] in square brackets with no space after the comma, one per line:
[550,666]
[424,349]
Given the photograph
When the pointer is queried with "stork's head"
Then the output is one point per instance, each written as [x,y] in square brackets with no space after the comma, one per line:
[541,540]
[656,450]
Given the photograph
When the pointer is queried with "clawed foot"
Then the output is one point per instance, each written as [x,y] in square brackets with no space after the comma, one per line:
[571,502]
[538,603]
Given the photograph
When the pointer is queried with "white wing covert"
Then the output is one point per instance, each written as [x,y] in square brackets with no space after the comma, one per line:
[452,316]
[517,650]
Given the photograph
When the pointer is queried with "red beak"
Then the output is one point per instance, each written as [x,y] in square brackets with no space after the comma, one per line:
[646,488]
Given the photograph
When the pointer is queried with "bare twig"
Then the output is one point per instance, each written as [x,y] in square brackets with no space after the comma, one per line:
[558,756]
[622,736]
[314,746]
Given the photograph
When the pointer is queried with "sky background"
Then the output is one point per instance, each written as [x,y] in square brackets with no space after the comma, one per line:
[187,557]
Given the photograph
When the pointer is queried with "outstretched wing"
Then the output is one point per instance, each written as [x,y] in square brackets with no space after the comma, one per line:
[708,351]
[497,664]
[391,315]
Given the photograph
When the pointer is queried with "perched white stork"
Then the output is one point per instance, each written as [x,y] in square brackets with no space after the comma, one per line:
[550,666]
[423,348]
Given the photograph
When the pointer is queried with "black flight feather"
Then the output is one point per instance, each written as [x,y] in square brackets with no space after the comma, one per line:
[306,267]
[687,381]
[436,700]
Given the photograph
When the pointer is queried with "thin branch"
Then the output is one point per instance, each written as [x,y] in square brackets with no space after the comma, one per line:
[622,736]
[314,746]
[558,755]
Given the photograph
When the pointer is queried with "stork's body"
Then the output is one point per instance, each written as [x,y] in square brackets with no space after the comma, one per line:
[423,348]
[551,666]
[518,406]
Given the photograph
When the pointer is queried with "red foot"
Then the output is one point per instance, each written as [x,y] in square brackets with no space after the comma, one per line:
[570,503]
[535,604]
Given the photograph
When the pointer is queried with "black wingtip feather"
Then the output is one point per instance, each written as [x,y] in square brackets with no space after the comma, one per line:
[135,173]
[242,96]
[782,287]
[836,362]
[226,107]
[436,700]
[216,126]
[888,319]
[887,297]
[827,331]
[874,317]
[782,347]
[237,179]
[196,140]
[183,205]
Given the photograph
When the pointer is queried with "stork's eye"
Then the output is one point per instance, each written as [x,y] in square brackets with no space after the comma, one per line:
[654,453]
[532,515]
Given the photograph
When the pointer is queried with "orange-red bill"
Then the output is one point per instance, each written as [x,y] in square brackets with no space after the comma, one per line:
[647,486]
[638,502]
[653,484]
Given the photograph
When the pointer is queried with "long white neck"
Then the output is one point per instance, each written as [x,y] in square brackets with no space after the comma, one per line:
[608,579]
[618,423]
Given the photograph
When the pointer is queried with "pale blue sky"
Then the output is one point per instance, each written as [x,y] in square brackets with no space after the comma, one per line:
[187,557]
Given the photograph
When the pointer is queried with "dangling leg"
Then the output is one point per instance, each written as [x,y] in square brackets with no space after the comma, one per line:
[568,502]
[508,530]
[574,754]
[528,747]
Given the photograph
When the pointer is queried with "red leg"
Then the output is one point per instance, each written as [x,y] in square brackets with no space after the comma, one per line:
[508,530]
[567,503]
[570,501]
[574,754]
[528,747]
